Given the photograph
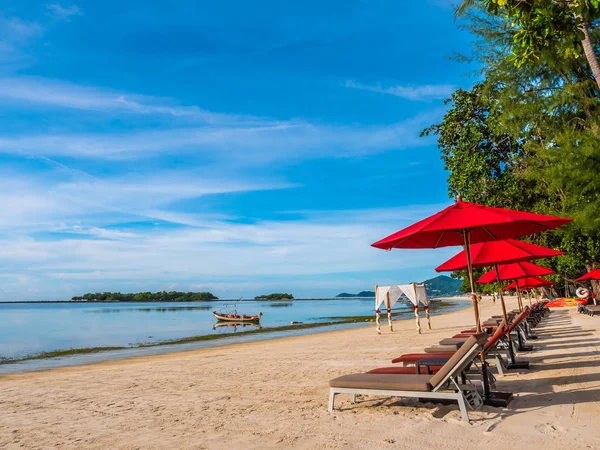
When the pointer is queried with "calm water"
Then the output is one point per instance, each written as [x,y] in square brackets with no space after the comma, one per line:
[32,328]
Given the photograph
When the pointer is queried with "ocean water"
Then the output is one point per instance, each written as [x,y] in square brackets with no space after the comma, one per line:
[32,328]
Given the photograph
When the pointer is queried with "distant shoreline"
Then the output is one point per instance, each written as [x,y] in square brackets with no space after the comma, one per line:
[211,301]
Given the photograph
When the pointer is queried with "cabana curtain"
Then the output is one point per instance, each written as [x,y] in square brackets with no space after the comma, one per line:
[388,296]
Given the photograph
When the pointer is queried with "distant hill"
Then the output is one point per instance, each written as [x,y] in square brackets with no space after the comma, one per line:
[360,294]
[443,286]
[440,286]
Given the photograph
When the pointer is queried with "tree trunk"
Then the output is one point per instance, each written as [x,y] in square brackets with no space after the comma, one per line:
[588,49]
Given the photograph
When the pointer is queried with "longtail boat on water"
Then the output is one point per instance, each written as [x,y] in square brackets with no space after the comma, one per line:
[237,317]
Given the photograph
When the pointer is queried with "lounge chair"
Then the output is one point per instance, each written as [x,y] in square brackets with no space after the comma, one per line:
[449,383]
[414,359]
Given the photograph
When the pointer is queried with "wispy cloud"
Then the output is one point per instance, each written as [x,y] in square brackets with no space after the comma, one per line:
[32,91]
[239,145]
[414,93]
[50,201]
[64,12]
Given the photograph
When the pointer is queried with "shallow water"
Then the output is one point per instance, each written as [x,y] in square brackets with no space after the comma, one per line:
[38,327]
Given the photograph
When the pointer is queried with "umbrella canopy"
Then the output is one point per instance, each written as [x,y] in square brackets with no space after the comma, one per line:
[529,283]
[515,271]
[480,223]
[593,275]
[500,252]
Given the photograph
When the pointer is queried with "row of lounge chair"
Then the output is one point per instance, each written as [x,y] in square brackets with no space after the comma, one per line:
[450,370]
[590,310]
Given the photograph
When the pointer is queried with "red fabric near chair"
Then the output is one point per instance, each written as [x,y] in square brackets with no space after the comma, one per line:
[515,271]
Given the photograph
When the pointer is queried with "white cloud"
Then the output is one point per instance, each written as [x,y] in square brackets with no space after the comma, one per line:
[47,200]
[415,93]
[43,91]
[64,13]
[239,145]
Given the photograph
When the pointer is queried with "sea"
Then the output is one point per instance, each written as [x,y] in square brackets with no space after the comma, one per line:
[30,329]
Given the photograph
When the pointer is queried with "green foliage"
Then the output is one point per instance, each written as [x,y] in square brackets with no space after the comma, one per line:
[529,138]
[541,27]
[161,296]
[275,296]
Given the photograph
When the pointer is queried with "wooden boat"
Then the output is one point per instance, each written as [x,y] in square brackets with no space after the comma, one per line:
[236,317]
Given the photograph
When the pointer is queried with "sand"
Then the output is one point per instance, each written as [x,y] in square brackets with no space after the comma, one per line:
[273,394]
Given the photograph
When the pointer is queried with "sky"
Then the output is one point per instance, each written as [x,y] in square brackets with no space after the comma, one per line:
[237,147]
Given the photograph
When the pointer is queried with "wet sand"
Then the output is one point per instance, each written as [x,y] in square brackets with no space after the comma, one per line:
[273,394]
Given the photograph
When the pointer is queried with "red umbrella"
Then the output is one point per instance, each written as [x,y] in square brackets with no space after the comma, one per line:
[593,275]
[515,271]
[498,252]
[465,223]
[529,283]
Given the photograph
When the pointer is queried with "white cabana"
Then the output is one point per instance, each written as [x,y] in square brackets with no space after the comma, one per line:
[389,295]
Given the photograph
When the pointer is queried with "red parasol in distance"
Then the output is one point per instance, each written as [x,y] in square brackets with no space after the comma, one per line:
[498,252]
[593,275]
[529,283]
[493,253]
[515,271]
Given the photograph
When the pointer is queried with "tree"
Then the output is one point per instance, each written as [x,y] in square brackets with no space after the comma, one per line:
[564,27]
[528,139]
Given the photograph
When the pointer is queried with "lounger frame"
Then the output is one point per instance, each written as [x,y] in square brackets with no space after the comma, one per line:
[466,394]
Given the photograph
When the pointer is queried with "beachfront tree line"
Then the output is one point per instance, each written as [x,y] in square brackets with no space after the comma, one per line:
[162,296]
[527,135]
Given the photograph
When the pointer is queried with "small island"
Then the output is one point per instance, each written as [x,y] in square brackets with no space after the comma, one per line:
[275,296]
[361,294]
[162,296]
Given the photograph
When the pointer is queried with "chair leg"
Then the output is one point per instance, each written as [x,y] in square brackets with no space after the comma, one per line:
[462,405]
[331,400]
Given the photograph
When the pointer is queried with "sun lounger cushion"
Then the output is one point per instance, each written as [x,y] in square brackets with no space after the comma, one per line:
[414,357]
[406,370]
[442,348]
[453,341]
[383,382]
[479,339]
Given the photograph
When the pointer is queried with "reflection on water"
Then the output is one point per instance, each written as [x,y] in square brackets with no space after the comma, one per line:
[157,309]
[281,305]
[234,326]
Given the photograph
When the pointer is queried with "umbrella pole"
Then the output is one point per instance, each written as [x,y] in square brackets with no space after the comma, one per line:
[470,270]
[389,310]
[519,295]
[489,398]
[511,350]
[377,314]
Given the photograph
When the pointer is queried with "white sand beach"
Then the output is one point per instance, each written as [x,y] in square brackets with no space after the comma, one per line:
[273,394]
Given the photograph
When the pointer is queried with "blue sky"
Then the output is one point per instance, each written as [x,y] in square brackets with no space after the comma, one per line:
[237,147]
